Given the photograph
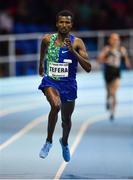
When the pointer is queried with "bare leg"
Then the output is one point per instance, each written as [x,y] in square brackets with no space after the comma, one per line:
[55,103]
[107,97]
[67,109]
[113,87]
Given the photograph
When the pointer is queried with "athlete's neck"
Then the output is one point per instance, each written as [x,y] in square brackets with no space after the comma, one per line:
[61,37]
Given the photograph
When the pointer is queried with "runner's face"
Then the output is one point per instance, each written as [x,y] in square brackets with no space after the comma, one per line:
[64,24]
[114,40]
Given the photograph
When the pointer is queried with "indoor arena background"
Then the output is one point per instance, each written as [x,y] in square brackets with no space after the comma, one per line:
[100,149]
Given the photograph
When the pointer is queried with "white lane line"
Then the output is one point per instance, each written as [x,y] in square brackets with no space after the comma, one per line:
[82,131]
[23,131]
[19,109]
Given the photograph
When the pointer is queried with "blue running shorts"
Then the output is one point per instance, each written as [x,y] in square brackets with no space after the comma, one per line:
[66,89]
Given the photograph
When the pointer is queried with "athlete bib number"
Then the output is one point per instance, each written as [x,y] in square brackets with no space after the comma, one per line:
[58,69]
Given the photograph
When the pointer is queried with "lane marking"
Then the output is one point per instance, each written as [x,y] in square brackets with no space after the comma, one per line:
[80,134]
[82,130]
[24,130]
[30,106]
[19,109]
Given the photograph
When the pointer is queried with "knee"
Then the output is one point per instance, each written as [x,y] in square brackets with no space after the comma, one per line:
[112,93]
[55,106]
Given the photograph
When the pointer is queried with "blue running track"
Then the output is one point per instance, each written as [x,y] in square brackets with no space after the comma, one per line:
[100,149]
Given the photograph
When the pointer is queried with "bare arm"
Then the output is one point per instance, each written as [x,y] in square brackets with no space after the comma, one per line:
[44,45]
[126,58]
[81,55]
[103,55]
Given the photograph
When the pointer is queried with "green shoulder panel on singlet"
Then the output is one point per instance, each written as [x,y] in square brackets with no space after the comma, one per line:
[52,54]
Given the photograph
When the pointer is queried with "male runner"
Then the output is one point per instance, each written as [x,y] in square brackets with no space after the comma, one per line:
[62,52]
[112,55]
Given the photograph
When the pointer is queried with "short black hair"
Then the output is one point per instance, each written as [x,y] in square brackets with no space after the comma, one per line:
[65,13]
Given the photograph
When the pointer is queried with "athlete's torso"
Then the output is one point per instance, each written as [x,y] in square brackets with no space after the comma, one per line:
[60,63]
[114,58]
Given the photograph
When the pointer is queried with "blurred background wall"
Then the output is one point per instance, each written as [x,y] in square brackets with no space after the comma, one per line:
[23,22]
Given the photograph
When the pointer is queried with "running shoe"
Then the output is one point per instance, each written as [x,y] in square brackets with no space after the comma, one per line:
[65,151]
[111,117]
[45,150]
